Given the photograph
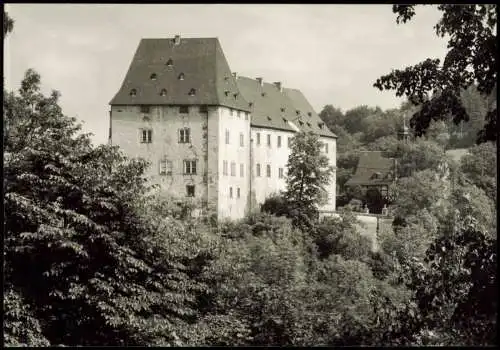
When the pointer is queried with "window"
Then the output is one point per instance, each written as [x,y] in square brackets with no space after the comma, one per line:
[289,142]
[184,135]
[184,109]
[235,96]
[280,173]
[258,169]
[190,190]
[224,167]
[181,76]
[170,62]
[192,92]
[268,140]
[153,76]
[133,92]
[241,139]
[242,170]
[238,114]
[231,111]
[268,170]
[163,92]
[258,139]
[246,115]
[165,167]
[189,167]
[144,109]
[309,114]
[279,141]
[227,137]
[146,135]
[238,194]
[233,169]
[204,109]
[230,192]
[326,147]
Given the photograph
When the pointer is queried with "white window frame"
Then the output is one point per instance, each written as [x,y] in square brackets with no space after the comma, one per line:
[189,165]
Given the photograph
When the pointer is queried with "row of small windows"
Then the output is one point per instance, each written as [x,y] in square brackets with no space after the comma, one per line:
[163,92]
[189,167]
[182,109]
[238,192]
[258,171]
[242,138]
[185,137]
[225,168]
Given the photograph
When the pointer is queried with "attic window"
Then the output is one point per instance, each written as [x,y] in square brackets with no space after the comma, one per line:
[181,76]
[153,76]
[235,96]
[285,120]
[163,92]
[301,123]
[376,175]
[250,104]
[269,118]
[133,92]
[170,62]
[298,112]
[282,109]
[263,94]
[192,92]
[226,78]
[308,124]
[226,93]
[309,114]
[320,125]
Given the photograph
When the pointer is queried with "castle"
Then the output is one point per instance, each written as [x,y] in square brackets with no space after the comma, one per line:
[210,134]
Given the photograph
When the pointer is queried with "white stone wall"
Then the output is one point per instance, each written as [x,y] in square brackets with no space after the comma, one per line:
[332,157]
[233,153]
[165,121]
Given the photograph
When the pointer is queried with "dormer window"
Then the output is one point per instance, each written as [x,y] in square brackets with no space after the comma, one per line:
[269,118]
[133,92]
[376,175]
[309,114]
[163,92]
[235,96]
[301,123]
[308,124]
[170,62]
[153,76]
[320,125]
[226,93]
[297,112]
[250,104]
[181,76]
[263,94]
[192,92]
[285,120]
[282,109]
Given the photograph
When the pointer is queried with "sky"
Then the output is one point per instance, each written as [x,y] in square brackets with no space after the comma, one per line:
[332,53]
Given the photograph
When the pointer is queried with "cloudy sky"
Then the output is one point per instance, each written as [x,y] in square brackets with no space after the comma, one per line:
[333,53]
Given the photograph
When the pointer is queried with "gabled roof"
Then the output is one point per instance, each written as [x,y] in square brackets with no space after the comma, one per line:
[370,164]
[286,110]
[200,60]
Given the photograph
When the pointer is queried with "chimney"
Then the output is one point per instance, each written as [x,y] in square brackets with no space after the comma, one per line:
[177,40]
[260,81]
[235,75]
[279,86]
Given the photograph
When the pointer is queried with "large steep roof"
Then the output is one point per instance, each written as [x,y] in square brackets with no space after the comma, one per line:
[285,109]
[200,60]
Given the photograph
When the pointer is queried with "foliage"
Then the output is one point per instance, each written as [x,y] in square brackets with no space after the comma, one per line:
[92,268]
[479,165]
[308,174]
[8,24]
[470,60]
[276,204]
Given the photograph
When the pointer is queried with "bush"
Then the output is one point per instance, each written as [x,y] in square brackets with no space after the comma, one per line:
[276,204]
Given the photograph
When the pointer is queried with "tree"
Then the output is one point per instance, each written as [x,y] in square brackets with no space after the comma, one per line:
[78,252]
[479,165]
[333,117]
[308,174]
[471,59]
[8,24]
